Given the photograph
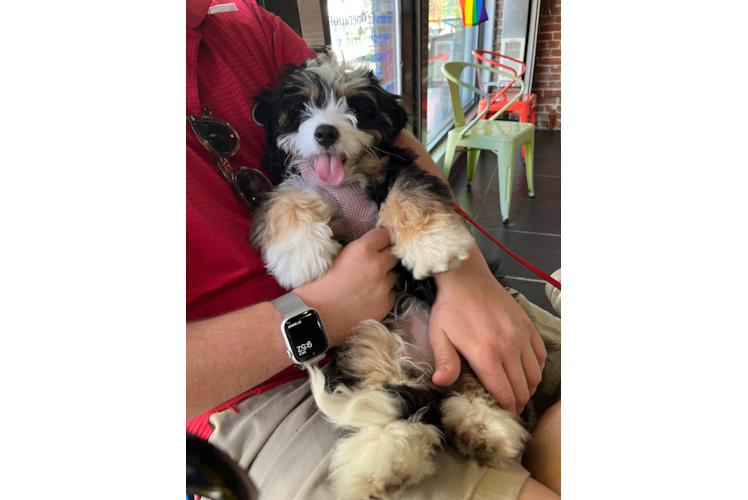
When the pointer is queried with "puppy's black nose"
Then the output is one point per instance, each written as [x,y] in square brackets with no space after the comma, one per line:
[326,135]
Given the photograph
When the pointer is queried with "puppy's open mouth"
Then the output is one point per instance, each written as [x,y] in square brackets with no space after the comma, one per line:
[330,169]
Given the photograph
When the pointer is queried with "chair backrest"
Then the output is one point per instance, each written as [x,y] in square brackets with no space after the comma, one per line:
[481,56]
[453,70]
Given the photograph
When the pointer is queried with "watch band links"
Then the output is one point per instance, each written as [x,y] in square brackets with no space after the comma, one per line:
[289,305]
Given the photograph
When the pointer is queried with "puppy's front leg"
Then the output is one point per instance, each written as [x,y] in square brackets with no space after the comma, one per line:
[428,236]
[295,231]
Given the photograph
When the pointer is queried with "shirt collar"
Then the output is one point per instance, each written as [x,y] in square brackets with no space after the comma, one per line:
[196,12]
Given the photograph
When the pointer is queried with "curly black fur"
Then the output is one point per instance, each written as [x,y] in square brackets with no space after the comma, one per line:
[413,400]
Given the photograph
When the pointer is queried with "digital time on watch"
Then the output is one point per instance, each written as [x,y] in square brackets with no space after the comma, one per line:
[302,329]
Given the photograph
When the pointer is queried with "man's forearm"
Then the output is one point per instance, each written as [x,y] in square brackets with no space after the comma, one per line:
[230,354]
[406,140]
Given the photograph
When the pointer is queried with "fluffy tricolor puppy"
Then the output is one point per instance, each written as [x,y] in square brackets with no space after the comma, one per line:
[330,130]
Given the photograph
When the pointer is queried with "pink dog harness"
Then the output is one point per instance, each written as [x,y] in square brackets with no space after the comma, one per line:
[359,212]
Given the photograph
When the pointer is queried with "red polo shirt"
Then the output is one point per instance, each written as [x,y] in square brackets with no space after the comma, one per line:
[231,57]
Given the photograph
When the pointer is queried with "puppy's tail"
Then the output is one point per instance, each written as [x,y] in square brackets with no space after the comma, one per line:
[348,408]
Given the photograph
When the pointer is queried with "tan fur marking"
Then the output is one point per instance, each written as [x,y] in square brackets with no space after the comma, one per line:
[410,210]
[283,118]
[469,385]
[380,356]
[289,208]
[365,165]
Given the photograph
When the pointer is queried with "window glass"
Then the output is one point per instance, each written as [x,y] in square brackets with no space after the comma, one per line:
[366,32]
[448,41]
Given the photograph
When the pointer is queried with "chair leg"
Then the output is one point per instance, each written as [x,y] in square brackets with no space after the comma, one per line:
[449,156]
[529,160]
[472,162]
[524,117]
[506,177]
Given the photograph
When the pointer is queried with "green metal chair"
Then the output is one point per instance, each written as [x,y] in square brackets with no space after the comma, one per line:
[503,138]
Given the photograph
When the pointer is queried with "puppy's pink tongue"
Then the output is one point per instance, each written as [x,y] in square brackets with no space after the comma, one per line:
[330,169]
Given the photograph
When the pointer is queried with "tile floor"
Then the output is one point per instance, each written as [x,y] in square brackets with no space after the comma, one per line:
[534,227]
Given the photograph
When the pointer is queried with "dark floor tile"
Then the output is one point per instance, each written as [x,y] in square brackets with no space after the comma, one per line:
[540,214]
[546,188]
[548,143]
[544,166]
[544,252]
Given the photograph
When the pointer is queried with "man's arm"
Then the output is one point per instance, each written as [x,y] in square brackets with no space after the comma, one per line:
[230,354]
[476,317]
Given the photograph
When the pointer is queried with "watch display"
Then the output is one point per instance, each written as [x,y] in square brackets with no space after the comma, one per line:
[306,335]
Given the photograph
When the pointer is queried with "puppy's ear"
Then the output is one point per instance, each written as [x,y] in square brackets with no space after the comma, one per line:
[391,109]
[266,113]
[263,114]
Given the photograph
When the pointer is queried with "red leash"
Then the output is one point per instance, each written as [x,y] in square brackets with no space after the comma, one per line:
[523,261]
[610,286]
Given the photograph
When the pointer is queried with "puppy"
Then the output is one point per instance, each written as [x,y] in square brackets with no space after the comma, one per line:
[330,132]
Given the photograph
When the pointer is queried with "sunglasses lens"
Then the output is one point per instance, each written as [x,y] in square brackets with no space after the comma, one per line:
[219,136]
[252,184]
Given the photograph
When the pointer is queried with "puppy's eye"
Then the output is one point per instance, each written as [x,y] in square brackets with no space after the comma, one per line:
[362,106]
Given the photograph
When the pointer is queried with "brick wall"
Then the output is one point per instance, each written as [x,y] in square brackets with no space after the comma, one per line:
[547,80]
[547,77]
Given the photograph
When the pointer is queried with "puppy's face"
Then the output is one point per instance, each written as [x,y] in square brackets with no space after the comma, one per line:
[328,115]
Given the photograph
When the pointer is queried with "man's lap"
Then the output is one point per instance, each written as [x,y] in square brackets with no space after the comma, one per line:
[285,443]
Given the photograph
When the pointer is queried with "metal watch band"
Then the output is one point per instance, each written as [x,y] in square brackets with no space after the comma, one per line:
[289,304]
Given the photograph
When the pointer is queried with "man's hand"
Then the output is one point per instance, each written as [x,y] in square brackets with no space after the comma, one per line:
[357,286]
[475,316]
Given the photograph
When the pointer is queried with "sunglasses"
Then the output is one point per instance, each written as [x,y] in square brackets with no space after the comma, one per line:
[222,142]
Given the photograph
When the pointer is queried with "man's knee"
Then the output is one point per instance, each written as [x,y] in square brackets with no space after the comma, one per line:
[543,457]
[533,490]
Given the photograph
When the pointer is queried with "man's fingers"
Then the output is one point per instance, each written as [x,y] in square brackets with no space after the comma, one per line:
[378,238]
[390,259]
[447,361]
[532,371]
[519,385]
[500,388]
[391,279]
[538,346]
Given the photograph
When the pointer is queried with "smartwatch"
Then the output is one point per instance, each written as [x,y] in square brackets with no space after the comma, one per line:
[303,331]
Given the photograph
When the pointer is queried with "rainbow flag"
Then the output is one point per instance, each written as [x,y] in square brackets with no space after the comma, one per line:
[473,12]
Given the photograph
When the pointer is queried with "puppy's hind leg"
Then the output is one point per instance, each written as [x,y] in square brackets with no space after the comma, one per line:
[380,455]
[477,426]
[295,230]
[388,414]
[428,236]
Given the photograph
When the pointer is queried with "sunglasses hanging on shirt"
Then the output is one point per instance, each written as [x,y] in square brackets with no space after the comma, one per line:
[222,142]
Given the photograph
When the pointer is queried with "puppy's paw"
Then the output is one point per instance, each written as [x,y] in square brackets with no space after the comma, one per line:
[427,235]
[303,255]
[434,251]
[382,461]
[478,428]
[294,231]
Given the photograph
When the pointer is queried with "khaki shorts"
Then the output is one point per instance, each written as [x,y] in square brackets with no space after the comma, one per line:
[284,444]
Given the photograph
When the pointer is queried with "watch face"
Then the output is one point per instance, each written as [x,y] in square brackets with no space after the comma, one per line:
[306,335]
